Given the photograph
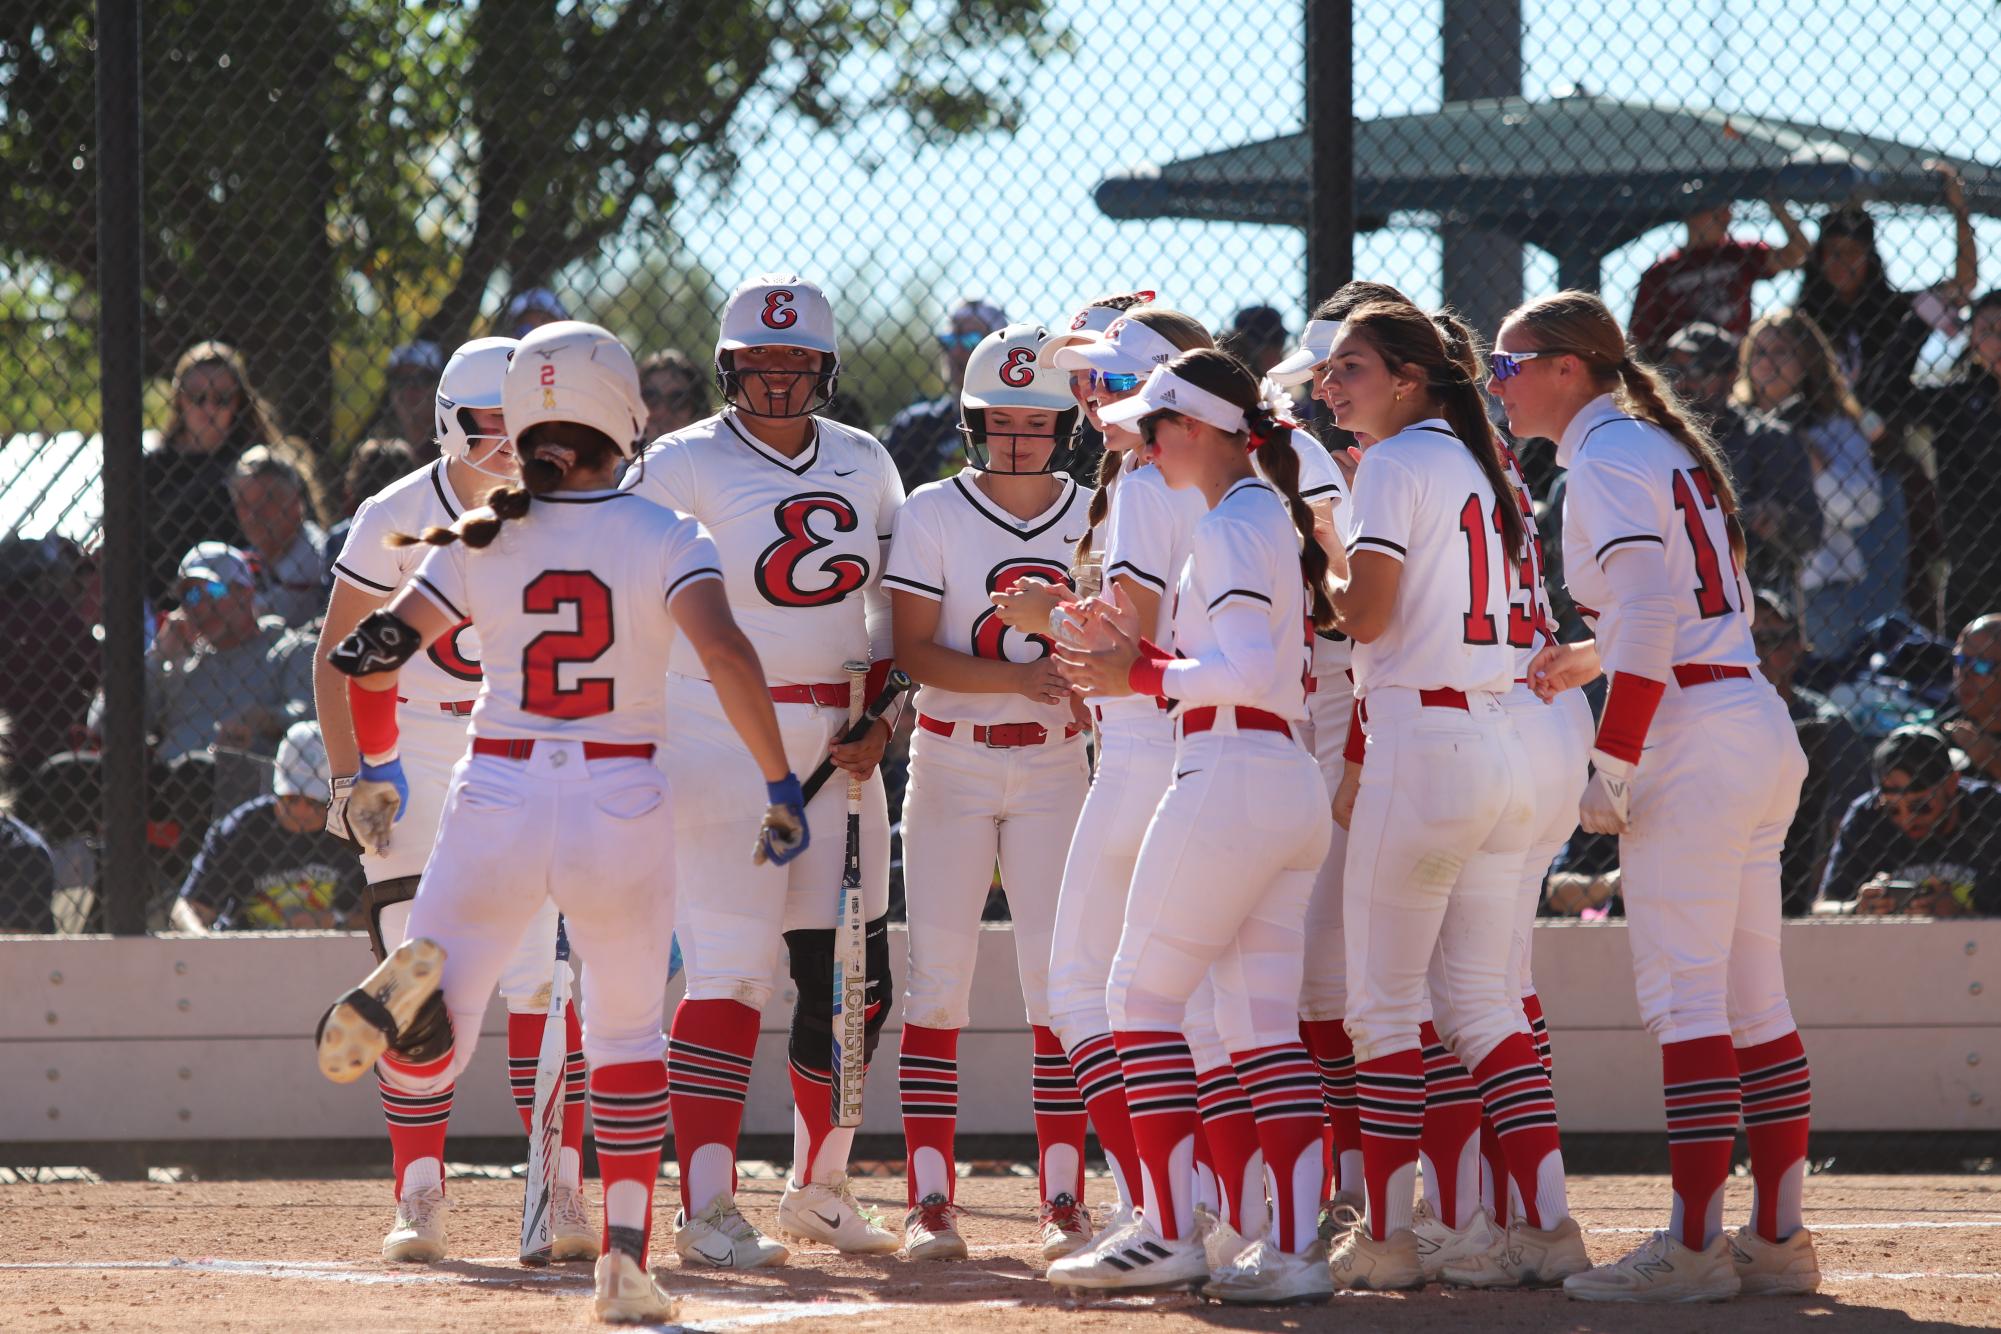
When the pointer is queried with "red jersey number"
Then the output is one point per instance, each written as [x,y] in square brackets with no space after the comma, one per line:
[584,595]
[989,631]
[1523,620]
[780,569]
[1695,497]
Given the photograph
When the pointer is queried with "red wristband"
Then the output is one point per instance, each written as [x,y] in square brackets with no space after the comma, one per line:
[1357,743]
[374,715]
[1630,703]
[1149,676]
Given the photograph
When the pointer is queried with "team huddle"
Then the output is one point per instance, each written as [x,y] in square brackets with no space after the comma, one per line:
[1272,748]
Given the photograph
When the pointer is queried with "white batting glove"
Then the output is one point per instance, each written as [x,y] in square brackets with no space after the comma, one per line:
[1608,797]
[337,799]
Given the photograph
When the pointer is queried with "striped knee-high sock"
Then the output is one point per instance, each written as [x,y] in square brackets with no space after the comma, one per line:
[1390,1094]
[1699,1083]
[1231,1127]
[1515,1091]
[708,1071]
[1778,1102]
[1160,1098]
[1538,1029]
[1448,1145]
[416,1120]
[1095,1063]
[524,1051]
[1334,1053]
[1060,1120]
[928,1076]
[630,1101]
[1284,1090]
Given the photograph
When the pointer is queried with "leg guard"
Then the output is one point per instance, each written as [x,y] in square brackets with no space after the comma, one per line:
[812,964]
[384,894]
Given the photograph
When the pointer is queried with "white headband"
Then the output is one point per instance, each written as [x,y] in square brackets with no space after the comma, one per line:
[1164,391]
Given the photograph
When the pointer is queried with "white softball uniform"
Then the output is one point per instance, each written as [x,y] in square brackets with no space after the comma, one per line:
[1719,780]
[1228,861]
[803,544]
[558,796]
[1441,822]
[1330,705]
[991,775]
[436,691]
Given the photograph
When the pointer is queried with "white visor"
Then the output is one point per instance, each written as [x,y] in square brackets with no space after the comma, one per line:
[1164,391]
[1298,365]
[1127,347]
[1084,327]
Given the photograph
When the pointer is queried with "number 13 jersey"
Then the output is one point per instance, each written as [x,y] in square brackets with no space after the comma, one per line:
[803,541]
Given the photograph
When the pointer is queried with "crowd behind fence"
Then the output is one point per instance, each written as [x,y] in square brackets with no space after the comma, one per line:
[1791,211]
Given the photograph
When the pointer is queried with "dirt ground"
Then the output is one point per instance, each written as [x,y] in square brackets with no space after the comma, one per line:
[1899,1253]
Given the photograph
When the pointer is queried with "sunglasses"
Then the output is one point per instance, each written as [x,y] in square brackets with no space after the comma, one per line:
[1507,365]
[1114,382]
[1966,662]
[965,342]
[217,399]
[208,590]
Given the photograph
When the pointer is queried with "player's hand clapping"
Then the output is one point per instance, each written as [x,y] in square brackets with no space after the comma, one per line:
[1104,671]
[1027,605]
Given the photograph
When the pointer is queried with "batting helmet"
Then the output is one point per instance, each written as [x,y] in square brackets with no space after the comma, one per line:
[471,379]
[1004,372]
[570,371]
[779,310]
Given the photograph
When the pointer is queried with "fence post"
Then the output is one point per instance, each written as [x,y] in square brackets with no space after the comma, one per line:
[1330,129]
[123,873]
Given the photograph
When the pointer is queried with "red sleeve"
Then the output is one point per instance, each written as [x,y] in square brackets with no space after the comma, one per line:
[1629,711]
[374,714]
[1357,745]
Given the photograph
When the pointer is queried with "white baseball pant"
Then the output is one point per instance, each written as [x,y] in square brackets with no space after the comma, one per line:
[1557,737]
[733,915]
[1699,866]
[966,805]
[1323,994]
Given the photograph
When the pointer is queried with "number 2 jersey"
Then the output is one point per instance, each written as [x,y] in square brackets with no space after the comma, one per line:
[954,546]
[802,541]
[1633,484]
[572,601]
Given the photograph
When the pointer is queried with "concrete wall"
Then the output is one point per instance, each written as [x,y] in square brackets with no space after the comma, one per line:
[208,1038]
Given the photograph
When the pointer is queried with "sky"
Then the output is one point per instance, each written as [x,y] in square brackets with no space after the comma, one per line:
[1012,218]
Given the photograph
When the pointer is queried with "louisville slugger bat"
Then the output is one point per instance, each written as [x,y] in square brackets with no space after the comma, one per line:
[545,1136]
[894,686]
[850,929]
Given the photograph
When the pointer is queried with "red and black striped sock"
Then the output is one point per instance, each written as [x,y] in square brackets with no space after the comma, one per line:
[416,1120]
[1060,1120]
[1095,1063]
[1451,1126]
[927,1072]
[1538,1029]
[708,1071]
[630,1101]
[1334,1054]
[1390,1094]
[1699,1081]
[1515,1091]
[1778,1103]
[1231,1128]
[1284,1091]
[1160,1097]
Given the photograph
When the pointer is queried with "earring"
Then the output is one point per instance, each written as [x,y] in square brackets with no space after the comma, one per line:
[1399,397]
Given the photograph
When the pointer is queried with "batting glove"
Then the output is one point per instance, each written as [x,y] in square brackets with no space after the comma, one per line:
[337,824]
[783,835]
[1608,796]
[380,796]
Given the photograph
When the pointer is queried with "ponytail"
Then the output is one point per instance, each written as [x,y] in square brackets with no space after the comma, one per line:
[477,527]
[1271,445]
[1643,394]
[1109,464]
[574,445]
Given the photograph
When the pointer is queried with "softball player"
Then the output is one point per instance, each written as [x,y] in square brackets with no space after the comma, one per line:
[1228,859]
[801,508]
[997,769]
[1438,819]
[1652,551]
[580,589]
[436,692]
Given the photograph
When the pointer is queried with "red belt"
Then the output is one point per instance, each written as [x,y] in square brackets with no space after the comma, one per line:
[1701,673]
[1248,720]
[593,750]
[1443,699]
[458,708]
[827,697]
[1000,736]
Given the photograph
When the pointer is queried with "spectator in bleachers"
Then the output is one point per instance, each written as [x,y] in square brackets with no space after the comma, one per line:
[374,464]
[1963,418]
[270,864]
[1769,463]
[530,310]
[1709,278]
[676,392]
[275,505]
[27,871]
[1837,761]
[1256,337]
[216,415]
[923,439]
[1857,572]
[414,369]
[1973,723]
[1923,843]
[48,653]
[1584,881]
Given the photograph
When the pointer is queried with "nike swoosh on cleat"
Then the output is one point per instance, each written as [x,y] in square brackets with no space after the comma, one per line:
[727,1258]
[834,1222]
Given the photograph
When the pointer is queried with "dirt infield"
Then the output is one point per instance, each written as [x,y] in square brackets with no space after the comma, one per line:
[1900,1253]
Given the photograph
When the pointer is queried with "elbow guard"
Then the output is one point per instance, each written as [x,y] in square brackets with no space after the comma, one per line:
[382,642]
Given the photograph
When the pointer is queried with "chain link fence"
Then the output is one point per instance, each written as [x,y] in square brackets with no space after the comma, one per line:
[1791,203]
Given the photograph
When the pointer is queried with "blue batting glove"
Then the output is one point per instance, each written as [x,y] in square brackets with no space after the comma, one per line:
[390,772]
[783,835]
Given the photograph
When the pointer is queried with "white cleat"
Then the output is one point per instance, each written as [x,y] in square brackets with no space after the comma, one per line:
[361,1025]
[830,1215]
[1264,1275]
[628,1295]
[1661,1270]
[1786,1268]
[1439,1246]
[1525,1257]
[1389,1265]
[1133,1258]
[573,1235]
[931,1230]
[1221,1243]
[1066,1227]
[720,1237]
[419,1235]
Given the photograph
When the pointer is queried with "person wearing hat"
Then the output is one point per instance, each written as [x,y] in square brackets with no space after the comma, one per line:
[270,864]
[413,382]
[1922,844]
[531,310]
[1768,460]
[924,438]
[1710,277]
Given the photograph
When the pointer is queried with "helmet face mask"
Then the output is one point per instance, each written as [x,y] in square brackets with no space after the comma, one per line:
[730,380]
[1004,372]
[471,381]
[777,311]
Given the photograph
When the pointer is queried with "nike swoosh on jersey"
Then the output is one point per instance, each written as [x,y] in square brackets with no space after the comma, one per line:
[849,473]
[1184,773]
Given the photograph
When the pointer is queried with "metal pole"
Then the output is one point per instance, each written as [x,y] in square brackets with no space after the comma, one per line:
[1482,57]
[1330,128]
[123,874]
